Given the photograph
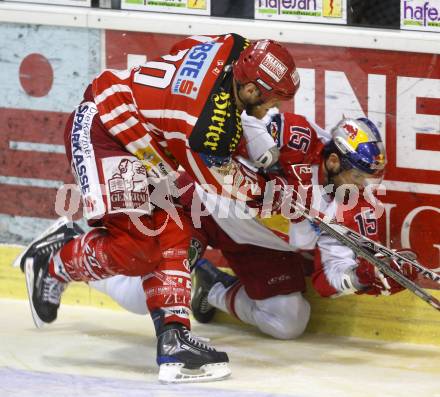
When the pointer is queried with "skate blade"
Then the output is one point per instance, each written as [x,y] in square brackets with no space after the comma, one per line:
[29,273]
[59,222]
[176,373]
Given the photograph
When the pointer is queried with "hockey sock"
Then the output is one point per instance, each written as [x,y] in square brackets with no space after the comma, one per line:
[233,300]
[168,289]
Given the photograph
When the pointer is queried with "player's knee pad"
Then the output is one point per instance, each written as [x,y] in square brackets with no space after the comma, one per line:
[131,251]
[283,316]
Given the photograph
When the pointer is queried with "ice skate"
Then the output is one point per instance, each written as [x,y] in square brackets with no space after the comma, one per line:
[185,358]
[44,291]
[205,275]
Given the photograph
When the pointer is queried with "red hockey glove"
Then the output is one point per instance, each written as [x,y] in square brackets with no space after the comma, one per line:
[378,283]
[274,192]
[285,187]
[299,190]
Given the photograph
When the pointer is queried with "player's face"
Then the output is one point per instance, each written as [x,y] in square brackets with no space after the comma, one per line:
[352,176]
[260,111]
[249,96]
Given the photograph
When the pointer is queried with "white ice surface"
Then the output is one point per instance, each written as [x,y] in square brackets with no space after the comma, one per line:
[102,353]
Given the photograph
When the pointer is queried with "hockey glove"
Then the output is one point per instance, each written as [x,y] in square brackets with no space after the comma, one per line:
[295,188]
[377,283]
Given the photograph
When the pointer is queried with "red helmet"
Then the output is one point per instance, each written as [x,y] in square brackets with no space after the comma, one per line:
[269,65]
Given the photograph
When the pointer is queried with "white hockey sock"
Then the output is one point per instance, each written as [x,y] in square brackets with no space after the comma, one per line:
[243,307]
[126,291]
[233,300]
[217,296]
[281,316]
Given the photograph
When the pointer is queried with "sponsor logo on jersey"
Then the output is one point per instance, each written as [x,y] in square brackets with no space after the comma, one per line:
[81,145]
[174,253]
[218,120]
[217,128]
[273,67]
[303,173]
[273,130]
[128,186]
[190,75]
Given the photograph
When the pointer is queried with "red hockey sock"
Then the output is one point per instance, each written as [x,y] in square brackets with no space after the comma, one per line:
[168,288]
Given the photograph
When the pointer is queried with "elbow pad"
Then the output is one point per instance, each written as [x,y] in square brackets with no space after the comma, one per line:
[269,158]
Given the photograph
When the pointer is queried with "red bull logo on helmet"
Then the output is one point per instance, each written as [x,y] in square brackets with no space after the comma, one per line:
[351,130]
[355,136]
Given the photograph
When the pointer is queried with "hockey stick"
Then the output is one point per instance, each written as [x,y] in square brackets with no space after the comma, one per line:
[377,248]
[355,241]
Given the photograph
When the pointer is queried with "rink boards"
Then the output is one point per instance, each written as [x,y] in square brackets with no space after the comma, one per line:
[49,55]
[400,318]
[391,77]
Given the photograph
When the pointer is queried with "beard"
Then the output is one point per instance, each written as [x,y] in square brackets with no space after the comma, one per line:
[249,107]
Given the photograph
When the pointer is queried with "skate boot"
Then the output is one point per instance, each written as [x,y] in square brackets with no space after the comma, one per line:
[205,275]
[44,291]
[185,358]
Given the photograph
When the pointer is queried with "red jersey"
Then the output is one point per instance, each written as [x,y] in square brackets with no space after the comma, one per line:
[178,109]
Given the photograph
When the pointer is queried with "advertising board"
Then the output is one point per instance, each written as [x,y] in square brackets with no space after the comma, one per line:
[320,11]
[399,91]
[80,3]
[420,15]
[198,7]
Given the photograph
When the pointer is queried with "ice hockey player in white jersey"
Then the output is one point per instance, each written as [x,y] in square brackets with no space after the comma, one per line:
[267,254]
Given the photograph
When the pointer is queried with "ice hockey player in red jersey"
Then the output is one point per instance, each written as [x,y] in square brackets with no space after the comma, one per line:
[125,142]
[268,261]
